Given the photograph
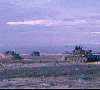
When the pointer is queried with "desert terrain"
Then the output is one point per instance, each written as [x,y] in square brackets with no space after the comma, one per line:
[50,75]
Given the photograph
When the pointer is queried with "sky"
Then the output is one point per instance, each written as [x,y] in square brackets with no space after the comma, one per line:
[49,22]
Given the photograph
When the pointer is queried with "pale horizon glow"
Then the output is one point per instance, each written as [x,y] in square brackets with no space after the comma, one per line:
[53,22]
[48,22]
[90,32]
[95,32]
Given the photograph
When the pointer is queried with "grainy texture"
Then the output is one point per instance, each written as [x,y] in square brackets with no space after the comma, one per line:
[59,76]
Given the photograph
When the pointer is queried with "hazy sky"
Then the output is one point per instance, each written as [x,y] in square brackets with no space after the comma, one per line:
[49,22]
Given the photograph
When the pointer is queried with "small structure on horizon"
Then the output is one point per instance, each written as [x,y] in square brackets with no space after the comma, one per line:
[35,53]
[78,55]
[11,55]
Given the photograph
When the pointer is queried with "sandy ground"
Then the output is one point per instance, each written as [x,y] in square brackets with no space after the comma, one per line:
[48,83]
[59,82]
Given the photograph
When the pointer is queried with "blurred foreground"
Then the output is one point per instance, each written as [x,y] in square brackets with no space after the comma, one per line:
[50,75]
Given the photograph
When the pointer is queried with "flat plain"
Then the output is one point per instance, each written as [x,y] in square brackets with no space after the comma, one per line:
[50,76]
